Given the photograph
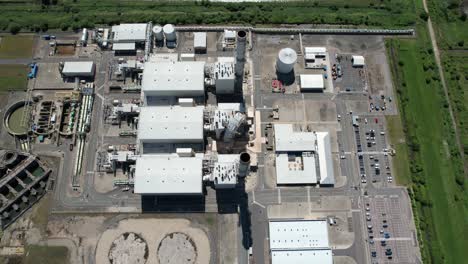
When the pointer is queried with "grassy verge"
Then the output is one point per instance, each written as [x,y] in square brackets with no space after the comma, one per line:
[400,160]
[44,254]
[437,183]
[13,77]
[16,47]
[29,15]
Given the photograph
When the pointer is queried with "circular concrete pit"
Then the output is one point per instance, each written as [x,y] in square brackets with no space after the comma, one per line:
[177,248]
[129,248]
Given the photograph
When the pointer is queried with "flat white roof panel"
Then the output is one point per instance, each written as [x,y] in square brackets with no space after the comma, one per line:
[298,170]
[123,46]
[130,32]
[199,39]
[170,124]
[288,140]
[78,67]
[327,174]
[170,78]
[168,174]
[315,50]
[298,234]
[311,256]
[312,81]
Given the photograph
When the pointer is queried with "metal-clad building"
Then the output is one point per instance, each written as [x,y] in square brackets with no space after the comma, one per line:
[129,32]
[312,83]
[78,69]
[199,42]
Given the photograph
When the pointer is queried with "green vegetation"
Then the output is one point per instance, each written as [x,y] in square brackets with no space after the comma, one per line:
[437,181]
[44,254]
[13,77]
[398,141]
[15,47]
[75,14]
[450,22]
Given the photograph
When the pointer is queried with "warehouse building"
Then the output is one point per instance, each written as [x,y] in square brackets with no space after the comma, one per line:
[173,79]
[358,61]
[303,157]
[199,42]
[169,124]
[312,83]
[124,49]
[299,242]
[129,33]
[84,69]
[315,57]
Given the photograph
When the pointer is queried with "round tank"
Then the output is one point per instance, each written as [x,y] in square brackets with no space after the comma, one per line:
[158,33]
[169,32]
[287,57]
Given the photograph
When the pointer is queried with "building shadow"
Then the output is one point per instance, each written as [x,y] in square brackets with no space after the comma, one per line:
[173,204]
[286,78]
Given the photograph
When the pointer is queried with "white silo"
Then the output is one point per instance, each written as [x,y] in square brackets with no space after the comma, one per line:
[169,32]
[287,57]
[158,33]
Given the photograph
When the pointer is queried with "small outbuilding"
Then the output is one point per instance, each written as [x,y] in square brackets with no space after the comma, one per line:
[78,69]
[358,61]
[199,42]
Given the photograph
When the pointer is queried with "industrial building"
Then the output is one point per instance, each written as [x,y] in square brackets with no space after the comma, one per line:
[135,33]
[170,124]
[77,69]
[303,157]
[299,241]
[199,42]
[124,48]
[312,83]
[358,61]
[222,73]
[315,57]
[173,79]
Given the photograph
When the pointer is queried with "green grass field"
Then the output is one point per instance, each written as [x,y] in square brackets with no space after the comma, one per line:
[13,77]
[16,47]
[440,201]
[398,141]
[46,255]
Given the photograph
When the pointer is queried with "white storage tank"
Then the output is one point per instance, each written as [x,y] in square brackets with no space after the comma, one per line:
[169,32]
[158,33]
[287,57]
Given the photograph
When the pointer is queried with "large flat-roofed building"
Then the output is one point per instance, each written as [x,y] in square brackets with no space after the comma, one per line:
[312,83]
[303,157]
[170,124]
[169,175]
[78,69]
[129,32]
[299,241]
[173,79]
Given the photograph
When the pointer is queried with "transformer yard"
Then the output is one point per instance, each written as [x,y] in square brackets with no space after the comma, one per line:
[173,144]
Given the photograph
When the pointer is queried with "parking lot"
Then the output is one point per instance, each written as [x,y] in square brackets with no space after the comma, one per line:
[390,239]
[352,79]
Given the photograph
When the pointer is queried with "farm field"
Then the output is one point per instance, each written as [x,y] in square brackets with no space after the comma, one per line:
[16,47]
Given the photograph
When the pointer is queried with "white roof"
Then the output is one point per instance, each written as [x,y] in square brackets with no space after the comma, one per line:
[129,32]
[287,56]
[358,60]
[123,46]
[312,81]
[299,169]
[168,174]
[170,124]
[315,50]
[170,78]
[286,139]
[298,234]
[230,34]
[327,174]
[199,40]
[77,67]
[309,256]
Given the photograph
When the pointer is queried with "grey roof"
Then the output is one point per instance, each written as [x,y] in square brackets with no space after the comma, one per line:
[184,78]
[78,67]
[168,174]
[327,174]
[130,32]
[301,170]
[303,256]
[199,40]
[170,124]
[123,46]
[298,234]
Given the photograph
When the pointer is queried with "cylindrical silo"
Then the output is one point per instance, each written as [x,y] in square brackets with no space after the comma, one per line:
[287,57]
[244,164]
[158,33]
[240,47]
[169,32]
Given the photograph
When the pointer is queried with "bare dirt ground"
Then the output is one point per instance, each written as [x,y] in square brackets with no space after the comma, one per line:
[153,231]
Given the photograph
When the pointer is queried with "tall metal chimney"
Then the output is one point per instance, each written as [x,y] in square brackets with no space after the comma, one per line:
[244,164]
[240,47]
